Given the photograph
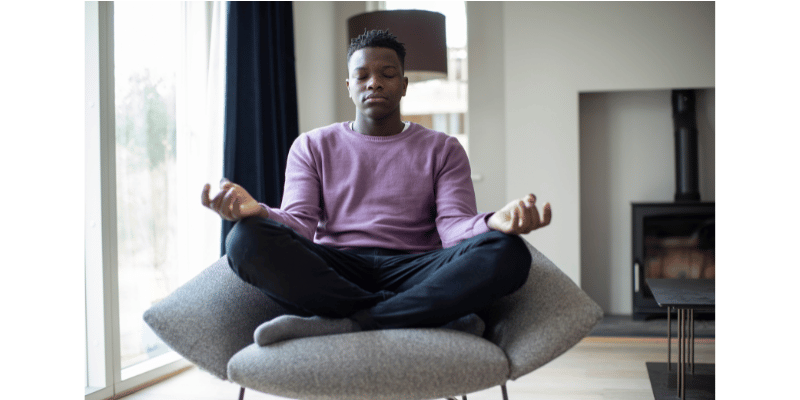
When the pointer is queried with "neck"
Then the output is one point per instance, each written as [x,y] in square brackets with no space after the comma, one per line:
[382,127]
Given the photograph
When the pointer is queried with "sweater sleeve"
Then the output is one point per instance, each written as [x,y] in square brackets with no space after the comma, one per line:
[300,207]
[457,217]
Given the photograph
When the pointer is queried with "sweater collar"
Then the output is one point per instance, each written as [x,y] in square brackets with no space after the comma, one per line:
[407,130]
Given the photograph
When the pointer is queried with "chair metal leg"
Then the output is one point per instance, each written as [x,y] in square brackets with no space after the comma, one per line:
[505,392]
[241,394]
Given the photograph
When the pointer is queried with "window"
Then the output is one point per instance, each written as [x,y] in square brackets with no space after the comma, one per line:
[145,73]
[159,72]
[441,104]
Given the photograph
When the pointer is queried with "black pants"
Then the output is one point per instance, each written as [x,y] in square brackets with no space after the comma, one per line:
[378,288]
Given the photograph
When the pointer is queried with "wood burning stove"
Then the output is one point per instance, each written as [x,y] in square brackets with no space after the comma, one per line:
[674,240]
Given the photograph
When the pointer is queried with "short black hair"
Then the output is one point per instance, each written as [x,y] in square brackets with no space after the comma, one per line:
[378,38]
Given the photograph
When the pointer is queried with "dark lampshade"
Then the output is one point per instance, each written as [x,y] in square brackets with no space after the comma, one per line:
[422,32]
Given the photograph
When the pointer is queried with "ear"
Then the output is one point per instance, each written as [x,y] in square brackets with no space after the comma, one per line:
[405,85]
[347,83]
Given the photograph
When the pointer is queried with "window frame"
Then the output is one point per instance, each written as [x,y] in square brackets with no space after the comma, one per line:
[105,377]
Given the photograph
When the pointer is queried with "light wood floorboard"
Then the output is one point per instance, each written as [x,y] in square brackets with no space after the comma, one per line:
[595,369]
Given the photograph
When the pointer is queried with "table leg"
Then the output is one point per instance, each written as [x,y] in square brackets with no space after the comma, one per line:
[679,376]
[691,343]
[686,350]
[669,338]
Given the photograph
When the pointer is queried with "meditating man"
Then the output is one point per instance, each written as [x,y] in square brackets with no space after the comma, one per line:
[378,227]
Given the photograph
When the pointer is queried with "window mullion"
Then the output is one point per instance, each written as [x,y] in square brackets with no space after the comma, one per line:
[100,250]
[93,289]
[108,188]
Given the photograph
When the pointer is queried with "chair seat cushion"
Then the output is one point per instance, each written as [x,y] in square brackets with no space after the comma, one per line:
[387,364]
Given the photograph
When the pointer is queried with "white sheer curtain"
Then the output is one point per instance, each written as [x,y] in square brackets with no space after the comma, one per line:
[200,117]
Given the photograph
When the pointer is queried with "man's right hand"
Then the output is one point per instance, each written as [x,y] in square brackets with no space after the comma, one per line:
[232,202]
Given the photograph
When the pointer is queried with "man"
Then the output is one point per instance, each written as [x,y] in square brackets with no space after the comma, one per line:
[378,226]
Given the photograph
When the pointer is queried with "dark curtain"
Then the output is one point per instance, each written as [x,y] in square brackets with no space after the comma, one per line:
[260,99]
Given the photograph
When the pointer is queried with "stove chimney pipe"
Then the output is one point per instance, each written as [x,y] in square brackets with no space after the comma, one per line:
[686,170]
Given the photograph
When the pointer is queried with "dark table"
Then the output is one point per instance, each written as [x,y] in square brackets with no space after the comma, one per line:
[685,296]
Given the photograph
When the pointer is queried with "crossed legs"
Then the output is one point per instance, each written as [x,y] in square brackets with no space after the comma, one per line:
[334,291]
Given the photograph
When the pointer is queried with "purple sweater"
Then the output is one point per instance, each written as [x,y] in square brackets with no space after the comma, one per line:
[411,191]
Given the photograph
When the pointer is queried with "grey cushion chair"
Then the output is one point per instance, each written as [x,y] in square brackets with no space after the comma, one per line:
[211,319]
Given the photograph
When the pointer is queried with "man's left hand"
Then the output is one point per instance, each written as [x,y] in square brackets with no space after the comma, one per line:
[520,217]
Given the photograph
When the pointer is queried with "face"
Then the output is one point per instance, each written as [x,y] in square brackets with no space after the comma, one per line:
[376,82]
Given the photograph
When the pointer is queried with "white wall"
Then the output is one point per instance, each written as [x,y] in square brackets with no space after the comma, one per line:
[315,47]
[486,116]
[627,155]
[552,52]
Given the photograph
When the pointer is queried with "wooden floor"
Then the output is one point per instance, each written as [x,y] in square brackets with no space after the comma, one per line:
[597,368]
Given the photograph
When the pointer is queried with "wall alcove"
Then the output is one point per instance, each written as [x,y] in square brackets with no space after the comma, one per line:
[627,155]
